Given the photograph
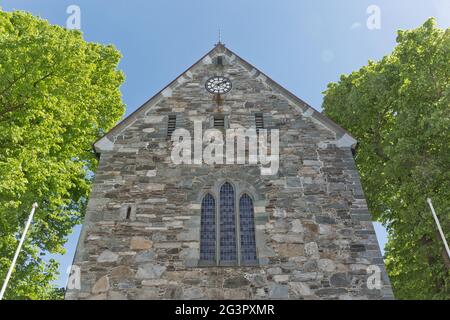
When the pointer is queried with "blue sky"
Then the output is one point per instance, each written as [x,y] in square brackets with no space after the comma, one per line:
[303,45]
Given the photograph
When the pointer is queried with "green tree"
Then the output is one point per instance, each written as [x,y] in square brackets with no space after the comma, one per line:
[399,110]
[58,94]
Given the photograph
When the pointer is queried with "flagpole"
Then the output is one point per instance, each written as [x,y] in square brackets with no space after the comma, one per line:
[22,239]
[439,227]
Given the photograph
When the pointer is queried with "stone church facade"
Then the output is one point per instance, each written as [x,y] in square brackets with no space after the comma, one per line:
[159,230]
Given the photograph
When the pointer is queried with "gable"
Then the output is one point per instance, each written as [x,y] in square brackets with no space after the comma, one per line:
[343,139]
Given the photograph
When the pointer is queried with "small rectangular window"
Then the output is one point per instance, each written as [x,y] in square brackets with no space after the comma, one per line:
[219,122]
[259,121]
[219,60]
[171,125]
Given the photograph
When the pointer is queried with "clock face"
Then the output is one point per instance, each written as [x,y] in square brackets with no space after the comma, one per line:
[218,85]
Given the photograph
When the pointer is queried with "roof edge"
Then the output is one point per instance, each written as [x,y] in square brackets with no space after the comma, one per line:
[343,137]
[164,92]
[309,111]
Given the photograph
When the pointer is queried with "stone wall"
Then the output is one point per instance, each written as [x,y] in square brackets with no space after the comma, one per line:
[314,234]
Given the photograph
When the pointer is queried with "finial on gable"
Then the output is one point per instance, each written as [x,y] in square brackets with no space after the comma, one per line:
[219,42]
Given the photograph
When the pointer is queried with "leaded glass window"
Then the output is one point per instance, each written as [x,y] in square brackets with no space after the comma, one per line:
[228,252]
[246,217]
[227,230]
[208,229]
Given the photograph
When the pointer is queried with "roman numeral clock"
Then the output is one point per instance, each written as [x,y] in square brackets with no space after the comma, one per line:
[218,85]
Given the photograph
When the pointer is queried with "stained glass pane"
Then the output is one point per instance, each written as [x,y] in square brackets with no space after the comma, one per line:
[248,243]
[208,229]
[227,225]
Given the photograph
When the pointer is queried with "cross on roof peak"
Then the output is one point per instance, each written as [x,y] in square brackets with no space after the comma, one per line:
[219,36]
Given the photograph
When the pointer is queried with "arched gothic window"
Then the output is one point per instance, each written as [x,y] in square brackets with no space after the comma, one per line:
[208,229]
[227,225]
[227,230]
[246,217]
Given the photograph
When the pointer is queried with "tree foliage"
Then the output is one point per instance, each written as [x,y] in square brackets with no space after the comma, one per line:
[399,110]
[58,94]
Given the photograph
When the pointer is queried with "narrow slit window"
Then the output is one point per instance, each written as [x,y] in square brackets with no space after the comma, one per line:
[219,122]
[128,215]
[171,125]
[259,121]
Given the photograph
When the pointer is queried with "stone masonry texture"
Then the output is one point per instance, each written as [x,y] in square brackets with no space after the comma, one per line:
[141,235]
